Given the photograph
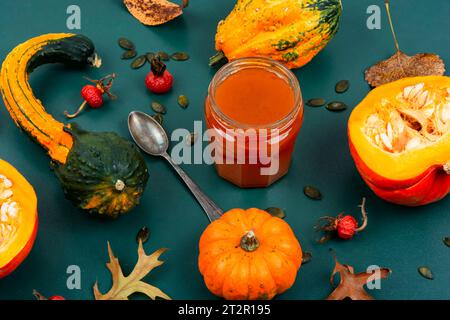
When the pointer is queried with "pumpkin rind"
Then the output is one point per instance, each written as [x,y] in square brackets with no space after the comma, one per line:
[410,178]
[88,165]
[14,253]
[231,272]
[289,31]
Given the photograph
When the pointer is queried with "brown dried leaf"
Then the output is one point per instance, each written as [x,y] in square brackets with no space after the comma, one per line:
[154,12]
[400,65]
[122,286]
[352,285]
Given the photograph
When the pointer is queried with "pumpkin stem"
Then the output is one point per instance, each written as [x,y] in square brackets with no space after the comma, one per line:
[249,242]
[446,167]
[74,115]
[120,185]
[364,214]
[218,59]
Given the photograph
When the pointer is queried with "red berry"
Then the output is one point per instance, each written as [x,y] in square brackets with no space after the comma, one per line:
[346,227]
[93,96]
[56,298]
[159,83]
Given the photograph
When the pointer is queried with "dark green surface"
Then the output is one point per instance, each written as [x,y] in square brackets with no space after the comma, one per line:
[399,238]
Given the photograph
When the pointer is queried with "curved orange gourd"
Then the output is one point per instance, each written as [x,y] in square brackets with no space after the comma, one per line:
[249,254]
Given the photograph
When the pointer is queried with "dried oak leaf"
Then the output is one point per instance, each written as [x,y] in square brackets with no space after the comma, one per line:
[154,12]
[400,65]
[122,286]
[351,284]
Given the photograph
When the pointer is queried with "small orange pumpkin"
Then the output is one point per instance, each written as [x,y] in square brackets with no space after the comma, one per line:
[249,254]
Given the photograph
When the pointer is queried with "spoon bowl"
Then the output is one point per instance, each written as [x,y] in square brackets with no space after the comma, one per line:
[148,134]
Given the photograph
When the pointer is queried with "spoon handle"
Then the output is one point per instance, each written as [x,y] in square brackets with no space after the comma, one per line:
[212,210]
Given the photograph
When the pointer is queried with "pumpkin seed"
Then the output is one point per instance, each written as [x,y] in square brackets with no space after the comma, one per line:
[126,44]
[336,106]
[447,241]
[138,62]
[150,56]
[342,86]
[307,257]
[183,101]
[143,235]
[129,54]
[159,118]
[158,107]
[426,273]
[276,212]
[316,102]
[312,193]
[191,138]
[163,55]
[180,56]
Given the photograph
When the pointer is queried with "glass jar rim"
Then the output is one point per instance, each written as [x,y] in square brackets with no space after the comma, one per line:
[261,62]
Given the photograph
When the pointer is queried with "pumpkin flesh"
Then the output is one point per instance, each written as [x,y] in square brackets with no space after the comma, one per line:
[231,272]
[18,218]
[291,31]
[400,140]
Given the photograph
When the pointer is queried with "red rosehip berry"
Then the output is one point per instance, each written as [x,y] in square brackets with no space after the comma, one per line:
[346,227]
[56,298]
[92,95]
[159,80]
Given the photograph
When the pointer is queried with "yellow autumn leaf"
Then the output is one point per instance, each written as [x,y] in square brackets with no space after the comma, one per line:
[122,286]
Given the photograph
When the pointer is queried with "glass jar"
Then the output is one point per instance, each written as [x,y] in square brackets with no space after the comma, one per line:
[253,155]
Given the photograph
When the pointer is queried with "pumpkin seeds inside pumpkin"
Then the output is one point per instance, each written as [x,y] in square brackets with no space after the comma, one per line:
[426,273]
[138,62]
[150,56]
[180,56]
[276,212]
[307,257]
[342,86]
[129,54]
[158,107]
[316,102]
[191,138]
[312,193]
[447,241]
[143,235]
[159,118]
[183,101]
[163,55]
[336,106]
[126,44]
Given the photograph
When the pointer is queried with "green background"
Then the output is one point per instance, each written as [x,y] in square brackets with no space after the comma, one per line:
[399,238]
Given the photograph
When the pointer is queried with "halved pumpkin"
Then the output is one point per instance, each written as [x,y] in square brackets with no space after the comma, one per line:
[18,218]
[400,140]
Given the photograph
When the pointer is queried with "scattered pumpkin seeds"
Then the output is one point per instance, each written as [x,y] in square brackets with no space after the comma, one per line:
[191,138]
[158,107]
[336,106]
[139,62]
[316,102]
[150,56]
[447,241]
[143,235]
[342,86]
[312,193]
[180,56]
[129,54]
[163,55]
[276,212]
[126,44]
[426,273]
[183,101]
[159,118]
[307,257]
